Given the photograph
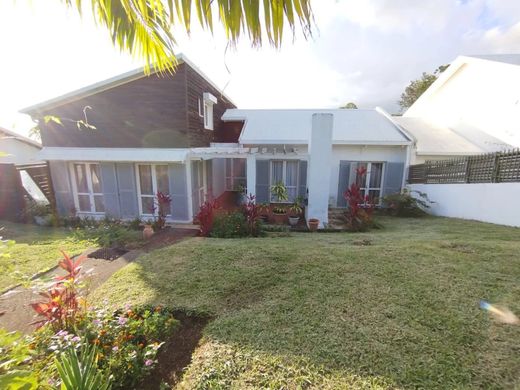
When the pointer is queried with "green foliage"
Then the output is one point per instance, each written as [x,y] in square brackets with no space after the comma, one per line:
[232,225]
[39,209]
[280,191]
[349,106]
[403,204]
[79,371]
[417,87]
[15,360]
[109,235]
[145,28]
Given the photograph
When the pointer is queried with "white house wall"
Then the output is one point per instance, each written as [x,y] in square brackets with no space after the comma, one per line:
[360,153]
[482,94]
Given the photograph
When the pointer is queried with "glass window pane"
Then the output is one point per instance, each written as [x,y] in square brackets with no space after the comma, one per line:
[361,179]
[376,172]
[229,184]
[145,179]
[277,172]
[292,192]
[229,171]
[374,195]
[239,167]
[291,176]
[147,203]
[163,182]
[84,203]
[81,177]
[99,204]
[96,178]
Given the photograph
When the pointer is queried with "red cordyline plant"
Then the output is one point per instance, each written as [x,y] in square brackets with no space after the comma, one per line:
[251,212]
[360,208]
[163,203]
[205,217]
[63,302]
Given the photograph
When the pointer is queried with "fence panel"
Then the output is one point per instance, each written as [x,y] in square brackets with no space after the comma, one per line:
[496,167]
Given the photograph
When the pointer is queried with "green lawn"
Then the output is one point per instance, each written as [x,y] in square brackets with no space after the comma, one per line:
[322,311]
[37,249]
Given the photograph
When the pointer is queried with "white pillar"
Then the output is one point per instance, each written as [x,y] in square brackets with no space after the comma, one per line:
[251,174]
[320,156]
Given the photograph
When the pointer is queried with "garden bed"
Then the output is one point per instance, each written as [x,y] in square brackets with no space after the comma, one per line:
[107,253]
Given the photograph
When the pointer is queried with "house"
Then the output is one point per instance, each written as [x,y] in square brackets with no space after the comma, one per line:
[472,108]
[19,154]
[179,134]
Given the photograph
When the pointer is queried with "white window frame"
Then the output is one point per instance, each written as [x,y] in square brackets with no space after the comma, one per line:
[231,175]
[154,190]
[201,113]
[284,178]
[208,100]
[367,187]
[91,194]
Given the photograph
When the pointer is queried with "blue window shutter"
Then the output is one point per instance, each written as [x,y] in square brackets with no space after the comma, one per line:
[178,192]
[393,177]
[302,190]
[127,190]
[262,181]
[62,188]
[110,190]
[343,182]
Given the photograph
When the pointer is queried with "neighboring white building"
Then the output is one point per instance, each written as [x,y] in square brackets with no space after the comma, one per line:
[472,108]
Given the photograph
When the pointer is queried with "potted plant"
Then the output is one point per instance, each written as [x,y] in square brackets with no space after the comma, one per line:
[263,210]
[295,211]
[313,224]
[148,230]
[280,192]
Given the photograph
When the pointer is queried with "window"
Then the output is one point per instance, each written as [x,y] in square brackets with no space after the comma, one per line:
[151,179]
[88,188]
[208,101]
[370,184]
[285,171]
[235,173]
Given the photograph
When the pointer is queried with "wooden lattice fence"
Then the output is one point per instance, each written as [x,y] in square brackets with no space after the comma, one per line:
[500,167]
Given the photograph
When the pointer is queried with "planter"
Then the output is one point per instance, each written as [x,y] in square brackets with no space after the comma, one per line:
[42,220]
[280,218]
[313,224]
[264,218]
[147,232]
[293,220]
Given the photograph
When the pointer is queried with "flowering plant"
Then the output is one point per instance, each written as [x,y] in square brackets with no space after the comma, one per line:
[360,207]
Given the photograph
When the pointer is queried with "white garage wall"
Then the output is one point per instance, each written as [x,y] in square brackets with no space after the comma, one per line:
[360,153]
[488,202]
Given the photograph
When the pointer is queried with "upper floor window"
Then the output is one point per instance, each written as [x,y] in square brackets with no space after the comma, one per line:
[208,100]
[88,189]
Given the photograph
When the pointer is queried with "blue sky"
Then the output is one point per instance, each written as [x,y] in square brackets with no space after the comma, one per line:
[362,51]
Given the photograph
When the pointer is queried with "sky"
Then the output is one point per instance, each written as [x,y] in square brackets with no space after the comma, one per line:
[361,51]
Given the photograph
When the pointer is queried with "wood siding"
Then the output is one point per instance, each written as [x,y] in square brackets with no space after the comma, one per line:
[149,112]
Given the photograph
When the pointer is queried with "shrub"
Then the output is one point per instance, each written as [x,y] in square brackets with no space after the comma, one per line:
[15,362]
[206,216]
[251,212]
[108,235]
[360,208]
[163,207]
[232,225]
[403,204]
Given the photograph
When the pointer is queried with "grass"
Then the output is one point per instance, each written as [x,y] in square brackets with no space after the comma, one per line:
[36,249]
[330,311]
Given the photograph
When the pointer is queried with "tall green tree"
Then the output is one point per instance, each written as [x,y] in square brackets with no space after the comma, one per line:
[144,27]
[417,87]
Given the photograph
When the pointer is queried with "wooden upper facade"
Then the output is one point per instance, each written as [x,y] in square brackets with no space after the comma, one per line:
[156,111]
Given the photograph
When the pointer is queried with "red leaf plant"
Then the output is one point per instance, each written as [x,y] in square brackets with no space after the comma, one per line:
[63,301]
[163,202]
[251,212]
[360,208]
[205,217]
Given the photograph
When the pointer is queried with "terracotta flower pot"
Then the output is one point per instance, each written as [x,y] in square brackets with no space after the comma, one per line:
[147,232]
[279,218]
[313,224]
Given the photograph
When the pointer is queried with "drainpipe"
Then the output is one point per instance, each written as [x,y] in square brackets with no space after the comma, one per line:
[320,156]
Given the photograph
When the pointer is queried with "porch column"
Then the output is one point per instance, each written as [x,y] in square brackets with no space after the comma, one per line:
[320,156]
[251,174]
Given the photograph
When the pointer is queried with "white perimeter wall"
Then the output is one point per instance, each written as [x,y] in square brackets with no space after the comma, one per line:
[360,153]
[488,202]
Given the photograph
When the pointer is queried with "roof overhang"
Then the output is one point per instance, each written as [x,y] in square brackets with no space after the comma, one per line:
[113,154]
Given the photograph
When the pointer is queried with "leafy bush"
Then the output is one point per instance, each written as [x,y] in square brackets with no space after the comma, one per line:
[252,215]
[232,225]
[15,362]
[360,208]
[403,204]
[108,235]
[38,209]
[205,217]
